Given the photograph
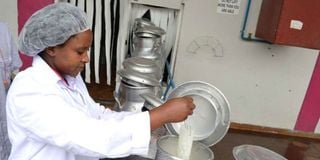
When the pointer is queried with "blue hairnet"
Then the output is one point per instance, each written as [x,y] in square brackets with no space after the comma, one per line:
[51,26]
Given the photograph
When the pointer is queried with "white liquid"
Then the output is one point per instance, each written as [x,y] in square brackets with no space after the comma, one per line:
[185,141]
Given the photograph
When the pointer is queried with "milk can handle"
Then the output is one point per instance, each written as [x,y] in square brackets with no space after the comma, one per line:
[152,100]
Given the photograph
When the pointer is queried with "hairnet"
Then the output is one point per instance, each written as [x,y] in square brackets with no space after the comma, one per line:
[51,26]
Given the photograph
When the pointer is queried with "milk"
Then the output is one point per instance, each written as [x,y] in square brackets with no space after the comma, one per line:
[185,141]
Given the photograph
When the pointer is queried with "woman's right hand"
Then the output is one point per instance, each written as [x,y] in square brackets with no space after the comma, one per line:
[173,110]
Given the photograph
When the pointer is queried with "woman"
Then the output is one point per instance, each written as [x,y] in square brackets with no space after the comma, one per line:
[50,113]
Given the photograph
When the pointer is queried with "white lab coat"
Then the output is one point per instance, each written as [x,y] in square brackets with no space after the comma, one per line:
[49,120]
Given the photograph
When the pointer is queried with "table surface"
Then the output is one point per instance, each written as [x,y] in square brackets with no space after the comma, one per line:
[288,147]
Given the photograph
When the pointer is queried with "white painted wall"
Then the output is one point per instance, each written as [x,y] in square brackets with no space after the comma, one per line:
[265,84]
[9,14]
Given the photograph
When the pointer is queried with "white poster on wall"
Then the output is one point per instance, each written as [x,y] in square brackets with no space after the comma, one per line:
[228,7]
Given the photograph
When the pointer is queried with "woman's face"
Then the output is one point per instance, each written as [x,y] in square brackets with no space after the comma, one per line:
[70,58]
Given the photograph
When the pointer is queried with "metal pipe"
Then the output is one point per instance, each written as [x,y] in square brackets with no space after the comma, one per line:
[249,37]
[170,83]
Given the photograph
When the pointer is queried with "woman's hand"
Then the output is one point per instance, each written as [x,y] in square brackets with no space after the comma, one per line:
[174,110]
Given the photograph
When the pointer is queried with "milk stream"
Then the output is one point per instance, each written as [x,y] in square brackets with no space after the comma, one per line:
[185,141]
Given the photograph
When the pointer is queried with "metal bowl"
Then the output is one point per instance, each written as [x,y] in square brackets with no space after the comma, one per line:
[167,149]
[138,77]
[141,22]
[149,31]
[144,66]
[210,120]
[247,151]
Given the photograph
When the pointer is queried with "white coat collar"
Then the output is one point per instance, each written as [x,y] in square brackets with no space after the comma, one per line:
[48,75]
